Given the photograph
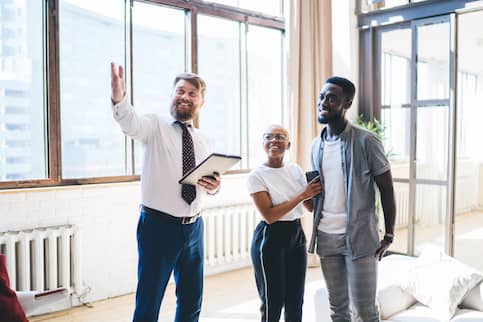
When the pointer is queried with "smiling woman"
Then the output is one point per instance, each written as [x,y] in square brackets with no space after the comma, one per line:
[278,248]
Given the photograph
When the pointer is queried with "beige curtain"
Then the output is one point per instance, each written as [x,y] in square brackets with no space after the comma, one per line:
[309,64]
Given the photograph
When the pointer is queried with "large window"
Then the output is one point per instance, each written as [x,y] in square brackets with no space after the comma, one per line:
[92,145]
[158,56]
[222,112]
[264,87]
[56,124]
[428,80]
[244,89]
[469,154]
[22,96]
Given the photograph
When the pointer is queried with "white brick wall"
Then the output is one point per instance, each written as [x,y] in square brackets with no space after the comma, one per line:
[106,216]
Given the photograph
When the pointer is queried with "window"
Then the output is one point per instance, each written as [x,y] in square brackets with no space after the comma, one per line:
[265,103]
[271,7]
[228,100]
[15,93]
[468,108]
[85,54]
[22,91]
[17,127]
[395,109]
[17,143]
[158,56]
[15,110]
[371,5]
[222,112]
[57,125]
[16,159]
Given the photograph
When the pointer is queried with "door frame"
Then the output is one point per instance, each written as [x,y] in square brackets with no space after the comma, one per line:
[450,101]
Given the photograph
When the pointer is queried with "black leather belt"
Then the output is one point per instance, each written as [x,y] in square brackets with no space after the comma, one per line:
[178,220]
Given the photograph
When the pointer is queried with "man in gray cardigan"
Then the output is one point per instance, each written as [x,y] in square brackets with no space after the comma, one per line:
[350,160]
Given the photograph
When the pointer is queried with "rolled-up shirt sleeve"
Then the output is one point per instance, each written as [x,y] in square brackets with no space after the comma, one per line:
[138,127]
[378,162]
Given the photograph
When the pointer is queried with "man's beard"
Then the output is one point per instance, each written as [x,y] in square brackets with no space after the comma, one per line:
[181,114]
[322,120]
[330,118]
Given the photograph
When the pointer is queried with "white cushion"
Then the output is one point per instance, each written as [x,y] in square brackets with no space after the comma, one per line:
[474,299]
[391,298]
[416,313]
[421,313]
[467,316]
[440,282]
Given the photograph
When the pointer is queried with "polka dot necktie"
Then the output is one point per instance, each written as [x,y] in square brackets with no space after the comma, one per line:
[188,191]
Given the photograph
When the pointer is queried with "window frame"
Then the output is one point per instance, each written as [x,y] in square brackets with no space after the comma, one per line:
[51,59]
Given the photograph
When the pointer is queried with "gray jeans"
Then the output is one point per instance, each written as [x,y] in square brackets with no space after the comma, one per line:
[351,284]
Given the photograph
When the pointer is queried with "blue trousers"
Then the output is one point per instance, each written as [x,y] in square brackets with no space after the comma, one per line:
[165,246]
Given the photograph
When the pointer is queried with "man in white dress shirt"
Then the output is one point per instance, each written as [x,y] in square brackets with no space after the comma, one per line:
[170,229]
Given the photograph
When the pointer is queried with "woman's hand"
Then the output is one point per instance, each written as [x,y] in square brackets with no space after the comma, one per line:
[312,189]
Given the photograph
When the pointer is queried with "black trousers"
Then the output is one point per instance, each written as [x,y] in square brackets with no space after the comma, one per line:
[279,257]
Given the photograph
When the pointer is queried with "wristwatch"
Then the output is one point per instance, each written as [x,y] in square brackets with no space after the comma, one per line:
[388,237]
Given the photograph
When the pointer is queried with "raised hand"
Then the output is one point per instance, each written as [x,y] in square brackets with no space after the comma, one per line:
[118,85]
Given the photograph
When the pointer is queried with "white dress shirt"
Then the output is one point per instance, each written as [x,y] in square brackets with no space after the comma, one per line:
[163,159]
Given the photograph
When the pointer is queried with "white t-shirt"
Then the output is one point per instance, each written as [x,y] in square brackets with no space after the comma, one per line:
[334,213]
[282,184]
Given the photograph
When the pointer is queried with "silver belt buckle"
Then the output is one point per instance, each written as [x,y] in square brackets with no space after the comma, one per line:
[188,220]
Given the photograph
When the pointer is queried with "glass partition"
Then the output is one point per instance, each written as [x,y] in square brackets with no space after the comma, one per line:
[432,119]
[469,154]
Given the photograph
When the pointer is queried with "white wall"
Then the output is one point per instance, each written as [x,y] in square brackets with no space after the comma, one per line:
[106,215]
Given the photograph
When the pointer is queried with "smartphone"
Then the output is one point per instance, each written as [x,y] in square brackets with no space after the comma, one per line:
[310,175]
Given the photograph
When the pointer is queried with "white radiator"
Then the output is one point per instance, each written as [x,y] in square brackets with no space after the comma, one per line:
[402,206]
[228,236]
[42,258]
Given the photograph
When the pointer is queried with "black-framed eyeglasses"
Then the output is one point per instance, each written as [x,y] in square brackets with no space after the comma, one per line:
[270,136]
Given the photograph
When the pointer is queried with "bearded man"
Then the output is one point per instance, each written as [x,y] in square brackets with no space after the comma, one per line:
[170,229]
